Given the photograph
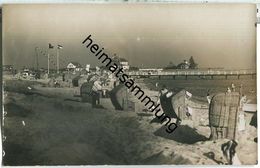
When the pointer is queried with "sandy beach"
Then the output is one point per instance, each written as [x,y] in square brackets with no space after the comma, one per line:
[51,126]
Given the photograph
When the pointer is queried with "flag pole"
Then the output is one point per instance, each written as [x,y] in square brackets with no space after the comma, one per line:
[48,62]
[36,60]
[57,60]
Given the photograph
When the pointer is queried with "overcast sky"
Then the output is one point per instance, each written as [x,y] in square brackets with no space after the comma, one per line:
[216,35]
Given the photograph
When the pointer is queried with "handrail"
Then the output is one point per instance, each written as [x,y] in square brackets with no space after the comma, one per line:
[193,72]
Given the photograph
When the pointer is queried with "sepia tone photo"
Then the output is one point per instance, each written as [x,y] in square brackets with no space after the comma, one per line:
[129,84]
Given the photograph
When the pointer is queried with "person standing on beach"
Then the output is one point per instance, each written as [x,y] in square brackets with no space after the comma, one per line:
[161,92]
[233,87]
[166,104]
[96,93]
[208,97]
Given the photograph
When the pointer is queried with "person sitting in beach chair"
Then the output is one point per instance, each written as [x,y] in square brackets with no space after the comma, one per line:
[189,112]
[56,84]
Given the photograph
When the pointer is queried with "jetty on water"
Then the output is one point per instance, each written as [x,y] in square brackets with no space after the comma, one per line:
[194,72]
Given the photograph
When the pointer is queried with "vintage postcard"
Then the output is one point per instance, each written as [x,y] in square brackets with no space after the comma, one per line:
[129,84]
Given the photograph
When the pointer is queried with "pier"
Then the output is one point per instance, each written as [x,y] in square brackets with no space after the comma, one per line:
[195,72]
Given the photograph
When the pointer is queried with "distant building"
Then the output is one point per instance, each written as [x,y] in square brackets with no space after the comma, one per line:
[8,68]
[74,66]
[124,63]
[26,70]
[184,65]
[26,73]
[42,70]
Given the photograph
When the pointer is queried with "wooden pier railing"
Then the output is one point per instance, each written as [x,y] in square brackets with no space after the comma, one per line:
[196,72]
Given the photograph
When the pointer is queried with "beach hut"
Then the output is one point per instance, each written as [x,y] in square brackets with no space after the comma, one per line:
[120,99]
[83,79]
[75,81]
[223,112]
[179,103]
[85,92]
[117,96]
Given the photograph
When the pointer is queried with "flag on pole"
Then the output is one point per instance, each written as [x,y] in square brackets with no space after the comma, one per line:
[50,46]
[60,46]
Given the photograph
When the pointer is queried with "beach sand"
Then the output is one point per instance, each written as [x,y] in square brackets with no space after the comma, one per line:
[50,126]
